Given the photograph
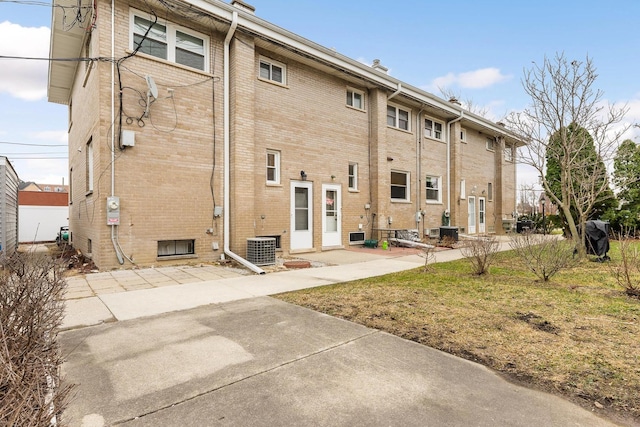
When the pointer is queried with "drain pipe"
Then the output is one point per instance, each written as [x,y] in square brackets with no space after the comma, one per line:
[418,212]
[457,119]
[113,136]
[227,154]
[394,94]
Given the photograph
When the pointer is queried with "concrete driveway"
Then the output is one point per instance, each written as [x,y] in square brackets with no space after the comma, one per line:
[263,362]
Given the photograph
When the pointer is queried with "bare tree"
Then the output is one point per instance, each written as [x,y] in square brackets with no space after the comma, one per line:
[468,104]
[564,102]
[543,255]
[481,253]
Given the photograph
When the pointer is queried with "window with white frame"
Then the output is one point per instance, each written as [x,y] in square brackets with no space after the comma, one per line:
[89,164]
[273,71]
[463,135]
[463,189]
[491,144]
[434,190]
[169,41]
[400,185]
[398,117]
[489,191]
[433,129]
[355,98]
[508,153]
[273,167]
[353,176]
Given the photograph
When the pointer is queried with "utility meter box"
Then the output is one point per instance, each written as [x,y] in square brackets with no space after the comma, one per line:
[113,210]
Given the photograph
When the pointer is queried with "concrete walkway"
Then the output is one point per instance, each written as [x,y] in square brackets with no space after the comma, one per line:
[219,351]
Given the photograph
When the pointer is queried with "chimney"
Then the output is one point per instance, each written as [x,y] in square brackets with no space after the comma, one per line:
[377,66]
[501,124]
[244,6]
[454,100]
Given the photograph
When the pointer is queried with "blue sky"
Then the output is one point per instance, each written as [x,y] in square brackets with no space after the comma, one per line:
[475,49]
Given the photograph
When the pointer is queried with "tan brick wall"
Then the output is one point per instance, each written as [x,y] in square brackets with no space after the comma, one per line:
[170,181]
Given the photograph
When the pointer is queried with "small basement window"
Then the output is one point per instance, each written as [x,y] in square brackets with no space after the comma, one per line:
[277,237]
[176,247]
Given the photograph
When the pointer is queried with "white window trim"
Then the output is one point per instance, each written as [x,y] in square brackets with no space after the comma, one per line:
[171,39]
[408,186]
[90,165]
[463,135]
[491,144]
[355,176]
[463,189]
[433,131]
[440,189]
[359,92]
[276,167]
[270,61]
[397,117]
[489,192]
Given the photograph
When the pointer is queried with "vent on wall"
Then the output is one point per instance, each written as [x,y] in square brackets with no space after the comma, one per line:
[434,232]
[261,250]
[356,237]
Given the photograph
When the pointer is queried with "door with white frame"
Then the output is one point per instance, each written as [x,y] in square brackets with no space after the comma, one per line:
[301,215]
[471,222]
[331,217]
[482,215]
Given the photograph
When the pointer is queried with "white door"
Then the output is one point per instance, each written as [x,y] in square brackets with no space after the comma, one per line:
[481,215]
[331,228]
[471,229]
[301,215]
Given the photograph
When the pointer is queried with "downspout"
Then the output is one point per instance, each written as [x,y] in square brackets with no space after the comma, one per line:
[457,119]
[113,135]
[419,170]
[394,94]
[227,154]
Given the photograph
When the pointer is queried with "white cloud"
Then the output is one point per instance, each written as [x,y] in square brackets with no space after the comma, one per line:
[24,79]
[52,135]
[477,79]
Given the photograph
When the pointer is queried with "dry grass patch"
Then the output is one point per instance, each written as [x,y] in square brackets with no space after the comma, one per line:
[578,336]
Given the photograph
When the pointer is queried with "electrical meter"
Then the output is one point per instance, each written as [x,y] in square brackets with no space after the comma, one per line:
[113,210]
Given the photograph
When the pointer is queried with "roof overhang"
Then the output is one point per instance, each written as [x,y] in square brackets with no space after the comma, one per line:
[64,49]
[68,44]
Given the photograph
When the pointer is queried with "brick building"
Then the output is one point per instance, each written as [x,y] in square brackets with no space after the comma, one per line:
[213,126]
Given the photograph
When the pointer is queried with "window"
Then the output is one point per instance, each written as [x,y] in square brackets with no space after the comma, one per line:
[170,42]
[397,117]
[463,135]
[508,153]
[399,185]
[89,163]
[490,144]
[463,189]
[71,186]
[353,176]
[489,191]
[434,193]
[47,188]
[272,70]
[273,167]
[355,98]
[175,247]
[433,129]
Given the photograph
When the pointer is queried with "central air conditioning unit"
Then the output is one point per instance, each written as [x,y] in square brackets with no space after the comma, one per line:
[261,250]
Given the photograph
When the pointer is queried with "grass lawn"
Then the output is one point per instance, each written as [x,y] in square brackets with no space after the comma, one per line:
[577,336]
